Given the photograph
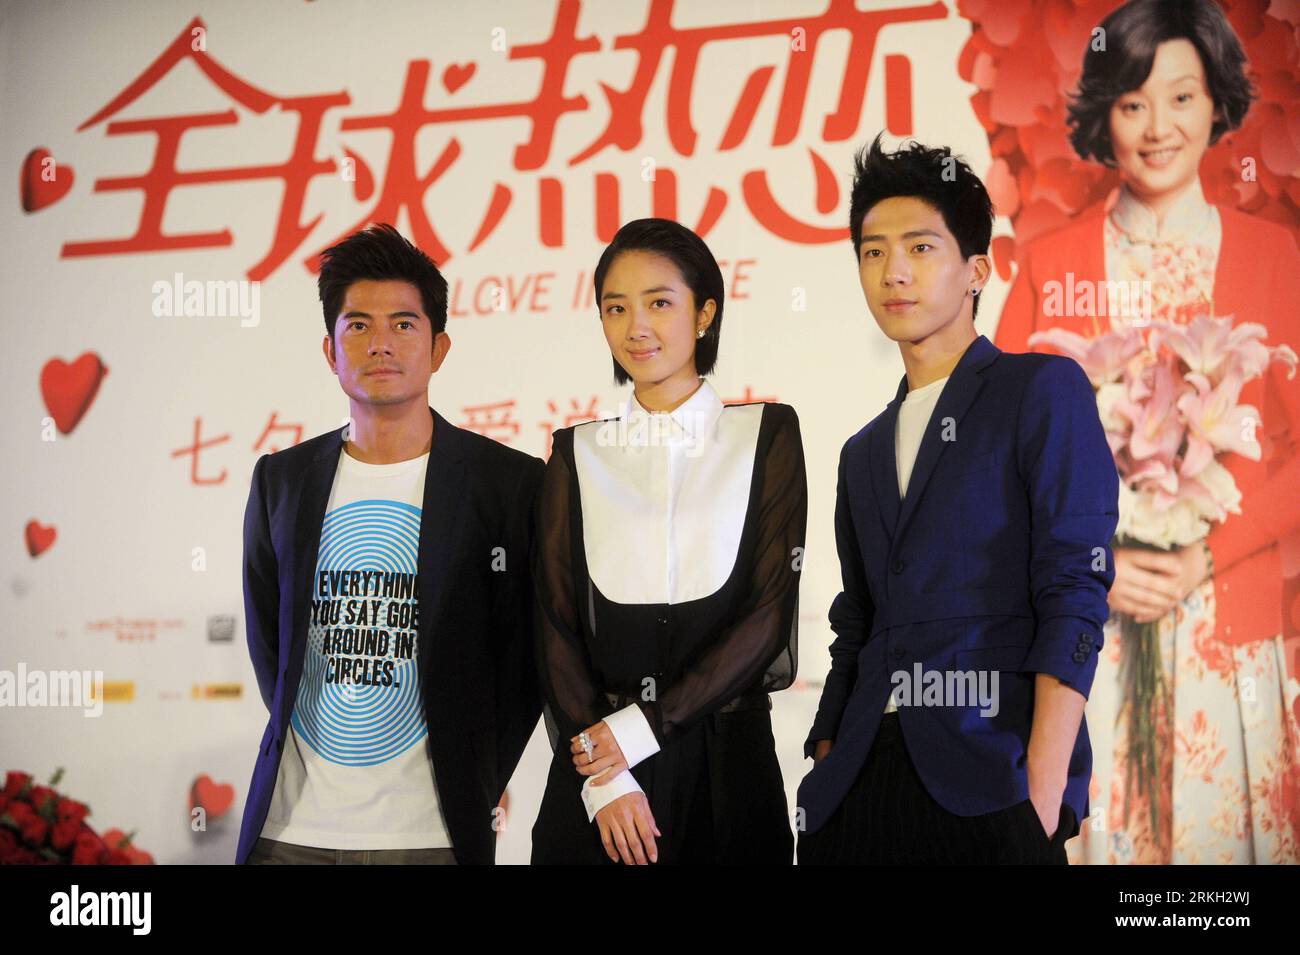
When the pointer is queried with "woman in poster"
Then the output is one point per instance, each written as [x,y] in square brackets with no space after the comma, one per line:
[1202,769]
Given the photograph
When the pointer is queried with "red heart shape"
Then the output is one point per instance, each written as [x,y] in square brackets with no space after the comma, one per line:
[457,75]
[215,798]
[68,390]
[39,187]
[39,537]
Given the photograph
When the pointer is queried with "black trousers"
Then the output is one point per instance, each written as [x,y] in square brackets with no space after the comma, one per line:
[888,818]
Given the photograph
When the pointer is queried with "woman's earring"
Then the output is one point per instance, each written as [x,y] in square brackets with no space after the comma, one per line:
[700,333]
[974,291]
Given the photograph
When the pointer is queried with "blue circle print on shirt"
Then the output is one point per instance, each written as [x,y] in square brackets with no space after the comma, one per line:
[351,723]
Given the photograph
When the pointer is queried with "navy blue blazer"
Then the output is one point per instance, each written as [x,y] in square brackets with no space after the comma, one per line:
[997,560]
[481,696]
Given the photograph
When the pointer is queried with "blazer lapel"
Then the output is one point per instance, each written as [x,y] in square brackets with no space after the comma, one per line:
[317,480]
[442,528]
[954,401]
[884,463]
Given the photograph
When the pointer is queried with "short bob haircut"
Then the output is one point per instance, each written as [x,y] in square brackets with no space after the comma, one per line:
[692,257]
[380,253]
[1132,34]
[933,175]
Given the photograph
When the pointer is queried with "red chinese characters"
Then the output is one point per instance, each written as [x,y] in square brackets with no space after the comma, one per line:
[437,99]
[262,445]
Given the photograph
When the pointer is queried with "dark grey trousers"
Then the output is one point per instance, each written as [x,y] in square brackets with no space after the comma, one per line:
[271,852]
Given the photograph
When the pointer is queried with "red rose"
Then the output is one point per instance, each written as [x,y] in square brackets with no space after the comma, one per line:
[119,840]
[116,857]
[70,809]
[138,856]
[65,834]
[20,812]
[40,794]
[20,857]
[15,781]
[88,849]
[35,830]
[8,841]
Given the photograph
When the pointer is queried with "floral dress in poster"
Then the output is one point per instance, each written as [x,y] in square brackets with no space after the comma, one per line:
[1228,747]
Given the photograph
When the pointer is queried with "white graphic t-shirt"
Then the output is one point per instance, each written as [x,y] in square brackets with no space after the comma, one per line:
[356,772]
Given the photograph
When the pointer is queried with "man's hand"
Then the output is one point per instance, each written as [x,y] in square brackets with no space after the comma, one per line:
[1148,584]
[822,748]
[1047,803]
[628,830]
[1058,713]
[605,753]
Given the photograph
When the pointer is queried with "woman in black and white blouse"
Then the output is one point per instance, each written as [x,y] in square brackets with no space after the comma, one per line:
[670,541]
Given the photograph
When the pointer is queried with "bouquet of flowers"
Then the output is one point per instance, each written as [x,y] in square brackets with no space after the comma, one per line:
[1168,397]
[39,826]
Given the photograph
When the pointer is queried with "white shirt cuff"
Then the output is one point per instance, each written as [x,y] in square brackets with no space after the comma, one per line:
[633,734]
[596,798]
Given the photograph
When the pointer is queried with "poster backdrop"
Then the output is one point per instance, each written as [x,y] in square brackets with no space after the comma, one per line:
[173,172]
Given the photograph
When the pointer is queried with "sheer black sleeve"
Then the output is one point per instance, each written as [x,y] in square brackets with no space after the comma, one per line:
[759,649]
[573,701]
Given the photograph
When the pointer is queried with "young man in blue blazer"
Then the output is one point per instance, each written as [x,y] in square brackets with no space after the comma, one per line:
[973,523]
[387,596]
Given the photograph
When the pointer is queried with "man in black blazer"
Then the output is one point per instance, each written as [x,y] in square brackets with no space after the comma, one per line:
[387,596]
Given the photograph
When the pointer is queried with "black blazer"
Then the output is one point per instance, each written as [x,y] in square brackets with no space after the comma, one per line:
[481,698]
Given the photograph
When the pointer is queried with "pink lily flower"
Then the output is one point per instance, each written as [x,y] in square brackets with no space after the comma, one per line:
[1103,358]
[1215,422]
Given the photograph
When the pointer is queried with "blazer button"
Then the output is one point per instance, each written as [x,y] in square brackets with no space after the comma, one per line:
[663,621]
[897,566]
[899,653]
[1080,657]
